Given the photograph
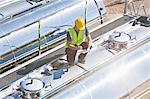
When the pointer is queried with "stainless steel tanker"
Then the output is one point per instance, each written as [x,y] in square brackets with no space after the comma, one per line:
[116,66]
[34,27]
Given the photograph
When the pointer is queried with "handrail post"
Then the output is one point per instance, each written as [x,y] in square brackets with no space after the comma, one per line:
[39,37]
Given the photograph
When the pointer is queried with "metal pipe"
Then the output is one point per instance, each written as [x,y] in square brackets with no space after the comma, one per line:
[125,6]
[39,37]
[99,10]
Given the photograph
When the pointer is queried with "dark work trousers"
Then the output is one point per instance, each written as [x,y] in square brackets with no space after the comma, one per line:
[71,54]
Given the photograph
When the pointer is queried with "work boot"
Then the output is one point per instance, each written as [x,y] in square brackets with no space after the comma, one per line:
[82,61]
[71,64]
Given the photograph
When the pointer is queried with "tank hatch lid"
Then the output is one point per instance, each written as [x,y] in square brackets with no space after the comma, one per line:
[32,84]
[120,37]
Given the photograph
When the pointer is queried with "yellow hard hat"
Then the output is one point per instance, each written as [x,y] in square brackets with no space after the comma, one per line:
[79,23]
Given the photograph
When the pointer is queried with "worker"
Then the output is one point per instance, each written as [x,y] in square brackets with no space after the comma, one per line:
[78,38]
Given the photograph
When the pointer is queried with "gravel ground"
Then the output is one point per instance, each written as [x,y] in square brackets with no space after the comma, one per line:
[117,6]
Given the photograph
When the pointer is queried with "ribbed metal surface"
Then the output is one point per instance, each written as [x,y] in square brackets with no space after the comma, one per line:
[9,8]
[53,18]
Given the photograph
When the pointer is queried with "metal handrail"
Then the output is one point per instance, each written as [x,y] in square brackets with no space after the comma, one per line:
[132,6]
